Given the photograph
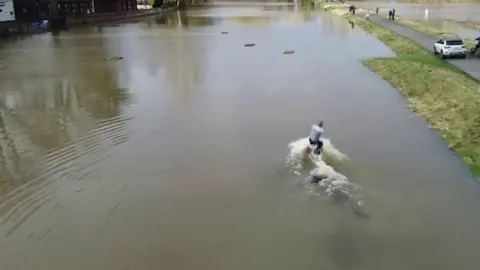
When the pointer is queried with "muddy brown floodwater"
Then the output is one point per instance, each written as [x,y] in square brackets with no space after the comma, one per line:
[173,157]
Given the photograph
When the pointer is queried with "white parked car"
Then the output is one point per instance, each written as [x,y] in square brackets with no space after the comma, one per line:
[450,46]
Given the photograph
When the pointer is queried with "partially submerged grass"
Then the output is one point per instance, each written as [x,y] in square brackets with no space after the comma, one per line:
[422,27]
[337,8]
[340,12]
[448,99]
[432,30]
[470,24]
[330,7]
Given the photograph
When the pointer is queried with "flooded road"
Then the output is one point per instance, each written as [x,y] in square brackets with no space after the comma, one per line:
[161,144]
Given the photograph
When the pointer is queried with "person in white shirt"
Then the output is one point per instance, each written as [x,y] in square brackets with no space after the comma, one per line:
[314,138]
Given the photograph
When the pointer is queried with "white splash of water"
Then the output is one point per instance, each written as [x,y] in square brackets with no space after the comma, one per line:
[333,183]
[299,153]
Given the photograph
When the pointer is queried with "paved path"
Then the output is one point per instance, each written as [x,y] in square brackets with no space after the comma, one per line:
[470,65]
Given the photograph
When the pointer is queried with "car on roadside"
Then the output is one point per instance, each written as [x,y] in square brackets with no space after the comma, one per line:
[450,47]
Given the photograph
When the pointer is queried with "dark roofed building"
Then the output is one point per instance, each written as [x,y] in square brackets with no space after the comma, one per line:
[27,10]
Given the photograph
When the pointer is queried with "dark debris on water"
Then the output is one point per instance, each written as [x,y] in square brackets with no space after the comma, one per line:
[249,45]
[116,58]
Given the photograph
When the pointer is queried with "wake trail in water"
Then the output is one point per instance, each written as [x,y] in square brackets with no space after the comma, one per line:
[330,182]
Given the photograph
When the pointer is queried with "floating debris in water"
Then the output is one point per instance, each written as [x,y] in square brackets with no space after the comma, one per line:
[249,45]
[116,58]
[224,33]
[288,52]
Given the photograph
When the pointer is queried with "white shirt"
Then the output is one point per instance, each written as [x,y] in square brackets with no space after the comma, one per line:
[316,132]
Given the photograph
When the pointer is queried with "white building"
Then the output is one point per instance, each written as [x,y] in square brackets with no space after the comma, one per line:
[7,13]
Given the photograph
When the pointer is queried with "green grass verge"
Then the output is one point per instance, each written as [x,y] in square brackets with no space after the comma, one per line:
[447,98]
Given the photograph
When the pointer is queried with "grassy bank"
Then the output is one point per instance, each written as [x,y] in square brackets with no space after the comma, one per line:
[448,99]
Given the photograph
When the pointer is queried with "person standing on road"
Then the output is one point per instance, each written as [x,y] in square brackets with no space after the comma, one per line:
[314,138]
[477,46]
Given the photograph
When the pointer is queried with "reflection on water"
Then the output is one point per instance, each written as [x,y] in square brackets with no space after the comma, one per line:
[55,99]
[179,19]
[183,65]
[330,25]
[60,113]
